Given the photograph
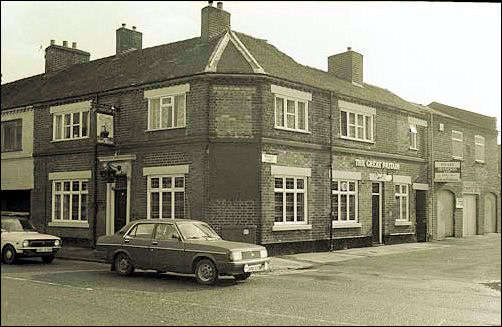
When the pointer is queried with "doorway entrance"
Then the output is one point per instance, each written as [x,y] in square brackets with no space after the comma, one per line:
[376,211]
[421,214]
[444,207]
[469,215]
[120,202]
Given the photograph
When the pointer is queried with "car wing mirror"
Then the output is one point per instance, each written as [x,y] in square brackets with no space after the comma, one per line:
[127,238]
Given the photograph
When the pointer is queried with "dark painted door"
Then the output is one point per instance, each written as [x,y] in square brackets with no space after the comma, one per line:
[375,211]
[421,213]
[120,202]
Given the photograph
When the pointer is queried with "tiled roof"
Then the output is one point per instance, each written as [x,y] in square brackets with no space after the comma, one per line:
[132,68]
[465,115]
[278,64]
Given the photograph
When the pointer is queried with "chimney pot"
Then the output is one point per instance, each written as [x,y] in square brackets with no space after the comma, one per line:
[74,45]
[219,5]
[123,25]
[349,48]
[210,3]
[134,27]
[53,42]
[65,43]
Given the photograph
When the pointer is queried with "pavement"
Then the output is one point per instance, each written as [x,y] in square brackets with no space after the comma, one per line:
[300,260]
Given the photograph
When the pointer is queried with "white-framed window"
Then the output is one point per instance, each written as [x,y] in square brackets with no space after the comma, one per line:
[345,202]
[413,137]
[291,113]
[290,200]
[402,202]
[166,196]
[356,126]
[457,144]
[70,200]
[479,145]
[70,125]
[12,135]
[167,112]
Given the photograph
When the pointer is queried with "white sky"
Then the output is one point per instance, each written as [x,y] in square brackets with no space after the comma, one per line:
[422,51]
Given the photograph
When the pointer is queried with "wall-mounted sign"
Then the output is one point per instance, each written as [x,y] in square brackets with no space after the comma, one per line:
[270,158]
[377,164]
[447,171]
[104,124]
[459,203]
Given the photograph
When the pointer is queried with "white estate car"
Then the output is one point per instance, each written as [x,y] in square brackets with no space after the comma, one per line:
[20,239]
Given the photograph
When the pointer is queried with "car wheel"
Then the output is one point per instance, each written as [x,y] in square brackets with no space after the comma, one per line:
[243,276]
[8,254]
[123,264]
[48,258]
[206,272]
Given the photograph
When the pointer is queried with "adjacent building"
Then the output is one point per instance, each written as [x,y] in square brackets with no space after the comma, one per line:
[227,129]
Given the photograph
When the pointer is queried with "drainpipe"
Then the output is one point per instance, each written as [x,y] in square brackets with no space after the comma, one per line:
[95,179]
[331,247]
[431,179]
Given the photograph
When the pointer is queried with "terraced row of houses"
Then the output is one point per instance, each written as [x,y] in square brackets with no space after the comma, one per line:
[227,129]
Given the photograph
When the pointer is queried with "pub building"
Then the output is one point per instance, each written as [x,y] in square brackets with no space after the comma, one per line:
[227,129]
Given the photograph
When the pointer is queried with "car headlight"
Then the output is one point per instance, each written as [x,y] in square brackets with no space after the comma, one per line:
[26,243]
[57,242]
[235,255]
[263,253]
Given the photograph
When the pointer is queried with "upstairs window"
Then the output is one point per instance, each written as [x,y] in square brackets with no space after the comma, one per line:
[457,142]
[291,108]
[479,144]
[413,137]
[402,202]
[70,126]
[12,134]
[356,126]
[167,112]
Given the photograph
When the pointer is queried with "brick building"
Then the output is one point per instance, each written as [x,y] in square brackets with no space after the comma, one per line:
[227,129]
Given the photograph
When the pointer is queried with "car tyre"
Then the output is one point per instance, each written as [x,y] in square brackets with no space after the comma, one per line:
[123,264]
[243,276]
[9,254]
[206,272]
[48,258]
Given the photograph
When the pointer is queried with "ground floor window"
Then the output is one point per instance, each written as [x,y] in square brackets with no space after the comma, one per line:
[69,200]
[290,200]
[166,196]
[344,193]
[402,203]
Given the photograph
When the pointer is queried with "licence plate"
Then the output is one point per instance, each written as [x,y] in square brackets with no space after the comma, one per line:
[255,268]
[44,250]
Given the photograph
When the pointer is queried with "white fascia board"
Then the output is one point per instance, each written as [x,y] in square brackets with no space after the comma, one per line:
[290,171]
[166,91]
[247,55]
[291,93]
[71,107]
[340,174]
[165,170]
[83,174]
[216,55]
[398,179]
[417,121]
[355,107]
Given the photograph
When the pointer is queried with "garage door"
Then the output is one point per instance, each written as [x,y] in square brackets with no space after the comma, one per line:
[490,221]
[444,213]
[470,218]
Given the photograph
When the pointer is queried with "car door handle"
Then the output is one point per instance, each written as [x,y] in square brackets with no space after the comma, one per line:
[126,240]
[155,243]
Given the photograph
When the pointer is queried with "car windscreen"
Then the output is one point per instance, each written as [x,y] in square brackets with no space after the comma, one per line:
[194,231]
[17,225]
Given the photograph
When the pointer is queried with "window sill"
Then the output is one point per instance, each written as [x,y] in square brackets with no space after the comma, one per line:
[356,140]
[480,161]
[164,129]
[286,227]
[292,130]
[458,158]
[72,139]
[414,149]
[68,224]
[345,225]
[402,223]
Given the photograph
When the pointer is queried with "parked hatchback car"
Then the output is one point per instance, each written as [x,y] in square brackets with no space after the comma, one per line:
[20,239]
[182,246]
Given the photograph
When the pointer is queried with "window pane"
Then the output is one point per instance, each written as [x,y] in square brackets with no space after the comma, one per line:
[375,188]
[343,186]
[300,207]
[85,125]
[290,183]
[398,207]
[67,132]
[352,186]
[166,101]
[343,207]
[352,131]
[154,205]
[67,119]
[403,208]
[66,186]
[84,186]
[19,135]
[398,189]
[360,121]
[301,115]
[291,114]
[369,126]
[179,110]
[278,214]
[154,183]
[59,126]
[74,207]
[352,118]
[352,207]
[66,206]
[334,185]
[291,106]
[58,186]
[290,207]
[335,206]
[75,185]
[166,205]
[179,205]
[167,182]
[278,183]
[343,122]
[290,121]
[279,111]
[179,182]
[167,117]
[299,184]
[457,148]
[83,207]
[57,206]
[154,113]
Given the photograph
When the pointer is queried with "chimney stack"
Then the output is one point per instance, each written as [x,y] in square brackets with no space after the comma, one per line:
[214,21]
[127,39]
[347,66]
[61,57]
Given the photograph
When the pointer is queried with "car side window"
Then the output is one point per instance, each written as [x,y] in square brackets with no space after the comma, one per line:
[166,232]
[142,231]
